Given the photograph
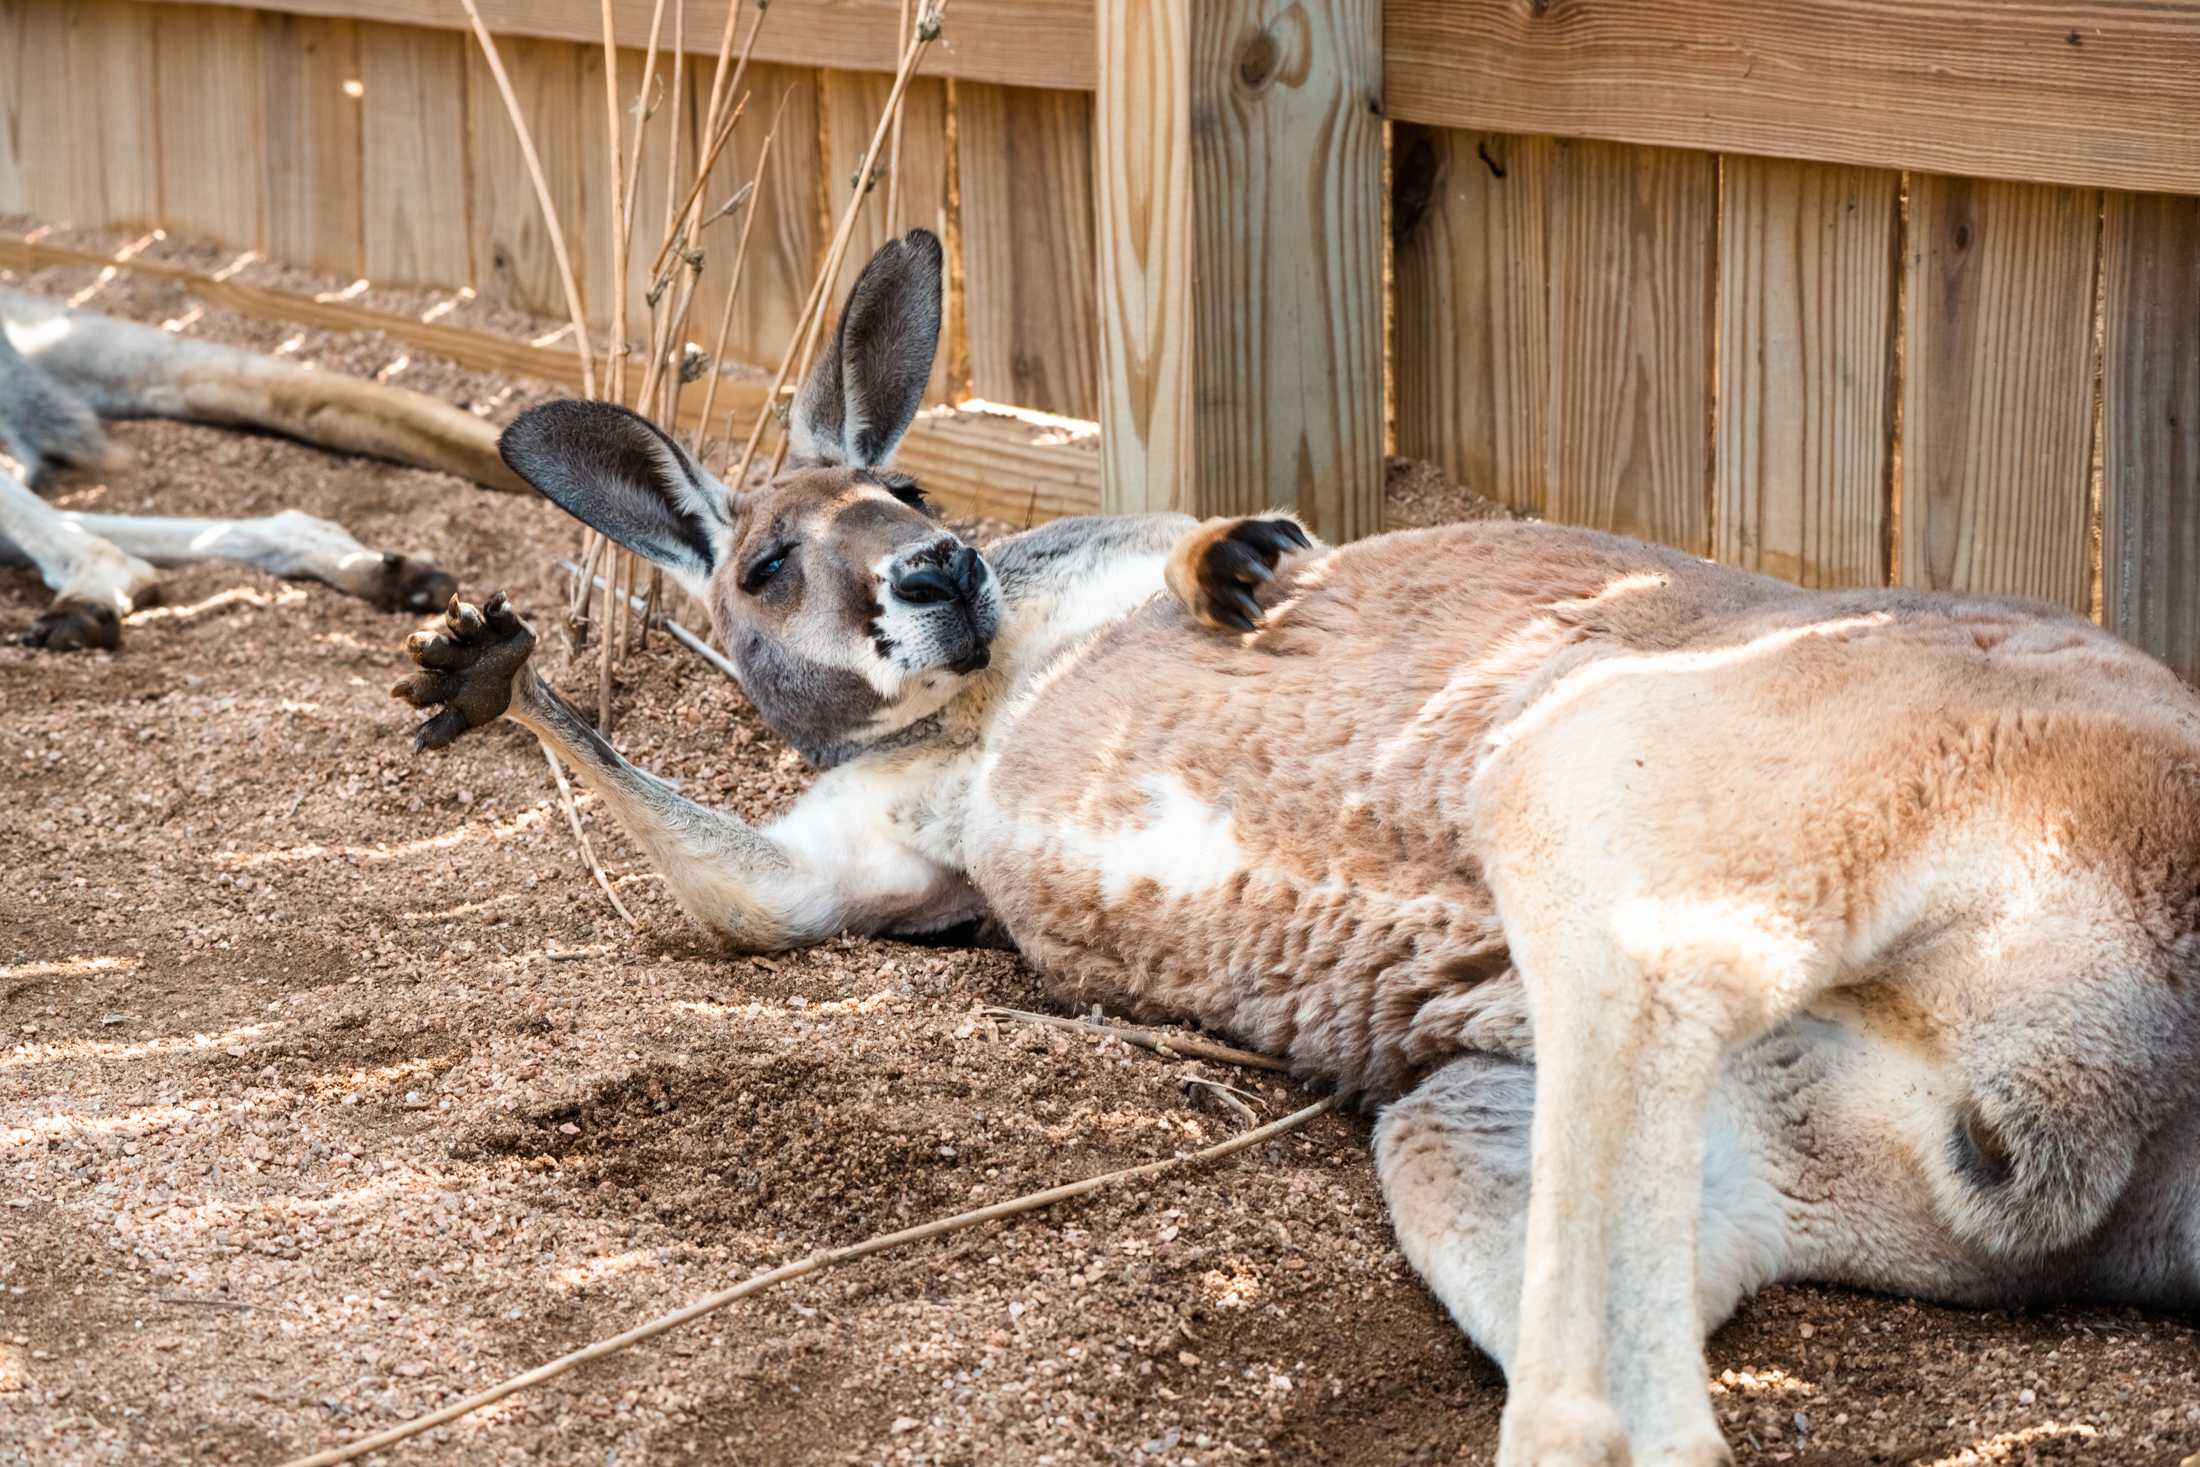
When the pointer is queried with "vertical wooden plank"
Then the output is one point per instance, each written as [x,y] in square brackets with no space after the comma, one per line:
[853,102]
[2150,384]
[15,67]
[34,104]
[112,145]
[212,167]
[313,100]
[670,121]
[514,264]
[1997,406]
[1142,195]
[1025,163]
[784,247]
[1241,174]
[413,174]
[1806,379]
[1473,322]
[1631,288]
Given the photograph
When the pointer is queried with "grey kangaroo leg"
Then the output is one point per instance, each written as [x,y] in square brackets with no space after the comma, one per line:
[95,584]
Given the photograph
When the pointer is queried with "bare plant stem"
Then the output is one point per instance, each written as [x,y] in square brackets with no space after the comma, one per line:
[542,194]
[831,1258]
[1153,1039]
[580,836]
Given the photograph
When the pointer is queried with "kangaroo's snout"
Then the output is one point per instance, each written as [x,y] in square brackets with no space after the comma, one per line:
[943,572]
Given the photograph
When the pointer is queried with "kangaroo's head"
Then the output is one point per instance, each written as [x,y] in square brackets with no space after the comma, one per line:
[848,611]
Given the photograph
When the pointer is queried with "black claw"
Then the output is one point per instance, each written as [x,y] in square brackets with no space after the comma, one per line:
[439,730]
[1247,610]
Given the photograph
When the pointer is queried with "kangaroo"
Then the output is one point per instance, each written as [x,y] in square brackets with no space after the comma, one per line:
[61,371]
[1690,930]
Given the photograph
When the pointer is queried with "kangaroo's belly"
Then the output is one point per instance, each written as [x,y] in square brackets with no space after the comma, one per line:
[1268,834]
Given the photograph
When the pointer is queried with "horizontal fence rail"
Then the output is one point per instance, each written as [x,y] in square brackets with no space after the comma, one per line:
[1846,292]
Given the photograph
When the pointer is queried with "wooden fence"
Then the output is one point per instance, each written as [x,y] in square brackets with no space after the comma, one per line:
[1848,292]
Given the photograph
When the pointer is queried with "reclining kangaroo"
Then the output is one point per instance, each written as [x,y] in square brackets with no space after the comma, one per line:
[63,370]
[1695,931]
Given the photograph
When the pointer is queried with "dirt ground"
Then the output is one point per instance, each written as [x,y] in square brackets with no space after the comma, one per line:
[331,1089]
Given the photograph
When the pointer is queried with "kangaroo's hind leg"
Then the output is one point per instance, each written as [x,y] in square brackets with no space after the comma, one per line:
[1453,1156]
[95,584]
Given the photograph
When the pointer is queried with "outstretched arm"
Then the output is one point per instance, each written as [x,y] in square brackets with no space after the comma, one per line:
[829,866]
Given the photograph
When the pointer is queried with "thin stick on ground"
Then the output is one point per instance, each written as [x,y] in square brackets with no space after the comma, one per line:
[543,200]
[678,632]
[831,1258]
[588,852]
[1153,1039]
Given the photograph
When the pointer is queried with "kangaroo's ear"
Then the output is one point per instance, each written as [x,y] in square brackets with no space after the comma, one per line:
[617,472]
[869,380]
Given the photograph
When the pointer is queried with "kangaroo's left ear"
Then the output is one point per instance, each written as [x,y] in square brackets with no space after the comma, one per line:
[869,379]
[617,472]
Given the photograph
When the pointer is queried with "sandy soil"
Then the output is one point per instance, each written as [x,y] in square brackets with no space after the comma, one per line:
[331,1089]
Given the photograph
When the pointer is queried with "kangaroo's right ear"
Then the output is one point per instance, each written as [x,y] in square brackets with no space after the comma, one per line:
[617,472]
[869,379]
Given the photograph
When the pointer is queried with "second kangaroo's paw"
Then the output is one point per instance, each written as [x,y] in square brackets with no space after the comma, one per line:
[1218,569]
[467,667]
[407,583]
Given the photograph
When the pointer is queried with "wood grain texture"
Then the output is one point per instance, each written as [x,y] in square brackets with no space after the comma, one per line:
[1025,161]
[1287,246]
[110,154]
[414,184]
[670,124]
[853,103]
[785,246]
[313,143]
[213,166]
[2150,384]
[1472,268]
[513,261]
[2086,92]
[970,463]
[1631,293]
[1239,168]
[1998,388]
[18,113]
[1806,370]
[1142,197]
[1028,43]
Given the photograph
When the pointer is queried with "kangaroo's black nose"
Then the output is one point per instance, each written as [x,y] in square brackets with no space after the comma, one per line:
[952,577]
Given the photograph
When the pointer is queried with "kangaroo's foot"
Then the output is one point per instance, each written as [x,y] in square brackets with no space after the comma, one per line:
[74,625]
[468,667]
[406,583]
[1218,569]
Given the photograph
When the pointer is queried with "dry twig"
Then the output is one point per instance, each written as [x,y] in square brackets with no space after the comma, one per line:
[588,852]
[828,1259]
[1153,1039]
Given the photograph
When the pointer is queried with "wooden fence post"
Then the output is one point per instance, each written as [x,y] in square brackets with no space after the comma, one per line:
[1238,163]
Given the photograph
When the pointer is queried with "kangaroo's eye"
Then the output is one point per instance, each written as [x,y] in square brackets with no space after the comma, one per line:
[763,570]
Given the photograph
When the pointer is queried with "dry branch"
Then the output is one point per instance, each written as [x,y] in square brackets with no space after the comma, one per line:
[828,1259]
[580,836]
[679,633]
[1153,1039]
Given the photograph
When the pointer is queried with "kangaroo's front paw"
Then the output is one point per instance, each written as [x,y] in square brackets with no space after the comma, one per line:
[1219,568]
[406,583]
[467,667]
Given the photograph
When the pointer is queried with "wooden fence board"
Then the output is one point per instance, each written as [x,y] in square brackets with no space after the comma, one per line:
[1631,288]
[853,102]
[112,146]
[1026,43]
[671,124]
[513,261]
[413,174]
[17,114]
[213,167]
[2150,383]
[1474,356]
[784,244]
[1025,165]
[310,70]
[2087,92]
[1806,370]
[1997,405]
